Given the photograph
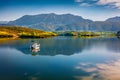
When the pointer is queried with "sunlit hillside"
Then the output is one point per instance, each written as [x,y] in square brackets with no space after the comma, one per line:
[22,32]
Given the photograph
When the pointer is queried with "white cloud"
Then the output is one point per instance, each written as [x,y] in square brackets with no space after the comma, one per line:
[112,3]
[85,4]
[84,0]
[78,0]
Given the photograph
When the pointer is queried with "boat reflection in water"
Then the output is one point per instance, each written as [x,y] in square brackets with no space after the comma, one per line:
[35,48]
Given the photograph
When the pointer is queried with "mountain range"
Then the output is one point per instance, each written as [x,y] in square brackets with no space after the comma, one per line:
[66,22]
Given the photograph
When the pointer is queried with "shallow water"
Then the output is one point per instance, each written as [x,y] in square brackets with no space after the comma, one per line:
[60,58]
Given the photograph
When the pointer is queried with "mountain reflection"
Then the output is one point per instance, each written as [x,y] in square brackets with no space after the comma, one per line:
[87,59]
[63,45]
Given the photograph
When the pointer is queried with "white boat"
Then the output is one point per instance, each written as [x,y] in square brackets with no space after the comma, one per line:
[35,46]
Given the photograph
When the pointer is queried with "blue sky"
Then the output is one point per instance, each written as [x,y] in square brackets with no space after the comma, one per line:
[97,10]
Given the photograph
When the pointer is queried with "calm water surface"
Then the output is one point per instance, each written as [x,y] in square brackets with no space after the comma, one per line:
[60,58]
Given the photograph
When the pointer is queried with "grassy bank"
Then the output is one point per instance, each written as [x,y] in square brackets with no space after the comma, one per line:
[86,34]
[22,32]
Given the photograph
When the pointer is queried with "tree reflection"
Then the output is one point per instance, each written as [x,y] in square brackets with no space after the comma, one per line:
[64,45]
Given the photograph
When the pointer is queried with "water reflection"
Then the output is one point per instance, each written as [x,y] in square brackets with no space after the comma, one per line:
[100,71]
[35,50]
[64,45]
[67,58]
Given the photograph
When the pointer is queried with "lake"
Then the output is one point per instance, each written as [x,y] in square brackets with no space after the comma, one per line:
[60,58]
